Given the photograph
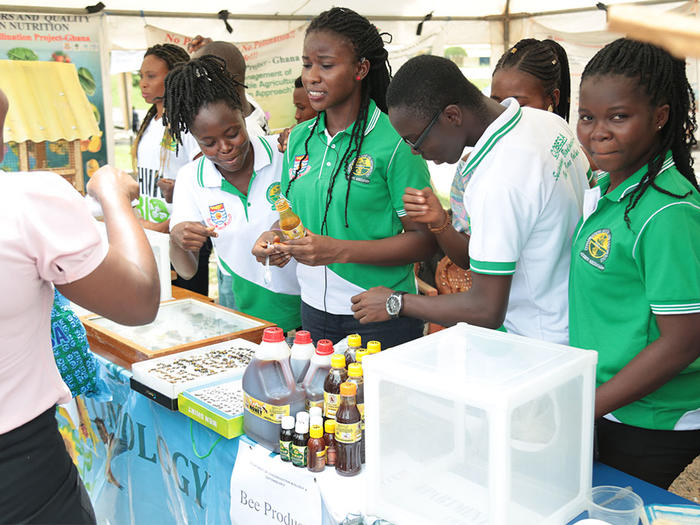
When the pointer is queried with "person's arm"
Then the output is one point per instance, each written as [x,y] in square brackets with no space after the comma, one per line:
[676,348]
[161,227]
[485,304]
[423,206]
[125,286]
[186,239]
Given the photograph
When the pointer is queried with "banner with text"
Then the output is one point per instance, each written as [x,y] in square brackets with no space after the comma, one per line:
[271,67]
[74,39]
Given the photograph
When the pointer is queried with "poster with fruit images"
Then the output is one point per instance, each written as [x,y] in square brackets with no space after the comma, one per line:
[75,39]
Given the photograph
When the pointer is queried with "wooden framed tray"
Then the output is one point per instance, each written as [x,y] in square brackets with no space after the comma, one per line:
[180,325]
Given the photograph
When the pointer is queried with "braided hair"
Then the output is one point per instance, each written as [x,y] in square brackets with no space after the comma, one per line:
[172,55]
[547,62]
[663,79]
[367,44]
[195,84]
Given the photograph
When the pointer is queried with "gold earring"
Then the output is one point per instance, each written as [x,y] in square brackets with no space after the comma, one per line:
[550,108]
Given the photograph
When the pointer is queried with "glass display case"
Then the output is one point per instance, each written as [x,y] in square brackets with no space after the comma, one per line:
[180,325]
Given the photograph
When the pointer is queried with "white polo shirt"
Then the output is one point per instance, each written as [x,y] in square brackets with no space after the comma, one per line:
[203,195]
[528,176]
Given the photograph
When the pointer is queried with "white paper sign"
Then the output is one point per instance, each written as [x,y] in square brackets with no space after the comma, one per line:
[265,490]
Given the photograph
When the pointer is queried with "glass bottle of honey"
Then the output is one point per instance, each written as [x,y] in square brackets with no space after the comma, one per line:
[290,223]
[331,386]
[348,435]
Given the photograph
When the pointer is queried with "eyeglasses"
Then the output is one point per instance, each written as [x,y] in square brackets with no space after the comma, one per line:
[421,138]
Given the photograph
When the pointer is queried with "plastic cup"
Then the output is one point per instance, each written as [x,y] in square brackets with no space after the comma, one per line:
[615,505]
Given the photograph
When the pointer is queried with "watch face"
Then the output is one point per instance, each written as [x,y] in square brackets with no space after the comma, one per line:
[393,305]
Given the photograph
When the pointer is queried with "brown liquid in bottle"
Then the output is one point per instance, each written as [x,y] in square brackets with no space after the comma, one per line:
[331,386]
[348,435]
[329,437]
[316,449]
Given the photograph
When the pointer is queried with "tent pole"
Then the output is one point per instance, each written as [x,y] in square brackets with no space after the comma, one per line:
[506,26]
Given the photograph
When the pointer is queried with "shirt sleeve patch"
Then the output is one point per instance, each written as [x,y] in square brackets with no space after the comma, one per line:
[676,309]
[492,268]
[401,212]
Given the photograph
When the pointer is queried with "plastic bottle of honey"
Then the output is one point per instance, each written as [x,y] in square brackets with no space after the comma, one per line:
[319,366]
[302,350]
[316,448]
[355,376]
[374,347]
[331,386]
[269,390]
[329,438]
[290,223]
[360,354]
[348,435]
[354,344]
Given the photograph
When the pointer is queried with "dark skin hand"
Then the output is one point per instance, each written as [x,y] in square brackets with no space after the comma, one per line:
[166,189]
[484,304]
[186,239]
[676,348]
[423,206]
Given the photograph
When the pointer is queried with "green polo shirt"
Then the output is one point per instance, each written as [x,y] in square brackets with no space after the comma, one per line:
[385,167]
[623,278]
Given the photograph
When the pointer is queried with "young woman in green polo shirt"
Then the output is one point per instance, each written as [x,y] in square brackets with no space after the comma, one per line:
[635,265]
[345,173]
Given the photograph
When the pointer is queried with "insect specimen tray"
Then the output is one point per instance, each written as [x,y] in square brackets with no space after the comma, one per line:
[181,324]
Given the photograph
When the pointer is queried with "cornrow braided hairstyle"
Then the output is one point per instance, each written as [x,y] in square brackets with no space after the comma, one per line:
[172,55]
[193,85]
[368,44]
[663,78]
[547,62]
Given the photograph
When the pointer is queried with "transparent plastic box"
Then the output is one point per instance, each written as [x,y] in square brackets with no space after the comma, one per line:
[473,426]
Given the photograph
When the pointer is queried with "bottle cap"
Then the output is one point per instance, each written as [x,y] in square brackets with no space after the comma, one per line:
[374,346]
[348,389]
[316,420]
[354,340]
[316,431]
[302,427]
[303,337]
[282,204]
[338,361]
[329,426]
[287,422]
[324,347]
[273,334]
[303,416]
[355,370]
[316,411]
[360,354]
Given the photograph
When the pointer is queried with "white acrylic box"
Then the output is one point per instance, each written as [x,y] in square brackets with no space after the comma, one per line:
[473,426]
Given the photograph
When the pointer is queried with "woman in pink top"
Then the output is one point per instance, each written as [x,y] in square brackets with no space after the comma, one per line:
[47,239]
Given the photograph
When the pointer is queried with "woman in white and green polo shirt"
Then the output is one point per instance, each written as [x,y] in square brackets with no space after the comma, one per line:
[635,261]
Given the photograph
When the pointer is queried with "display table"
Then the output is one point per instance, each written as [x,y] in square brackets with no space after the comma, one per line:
[144,464]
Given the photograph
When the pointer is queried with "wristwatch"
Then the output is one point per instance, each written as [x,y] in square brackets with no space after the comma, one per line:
[394,303]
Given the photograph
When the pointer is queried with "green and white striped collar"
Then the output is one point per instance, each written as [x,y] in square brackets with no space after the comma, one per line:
[211,178]
[632,181]
[505,122]
[373,114]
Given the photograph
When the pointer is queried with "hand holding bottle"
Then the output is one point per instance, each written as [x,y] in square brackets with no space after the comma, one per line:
[313,250]
[266,249]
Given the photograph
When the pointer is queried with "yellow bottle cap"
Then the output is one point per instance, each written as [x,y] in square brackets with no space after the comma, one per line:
[360,354]
[355,370]
[316,431]
[374,347]
[354,340]
[348,389]
[338,361]
[329,425]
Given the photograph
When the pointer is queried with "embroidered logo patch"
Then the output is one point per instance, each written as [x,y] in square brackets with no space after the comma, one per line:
[305,168]
[273,193]
[218,217]
[364,166]
[597,249]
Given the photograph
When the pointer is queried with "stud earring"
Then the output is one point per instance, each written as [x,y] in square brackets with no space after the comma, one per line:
[358,77]
[550,108]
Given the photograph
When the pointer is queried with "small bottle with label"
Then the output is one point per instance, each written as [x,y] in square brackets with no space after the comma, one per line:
[329,438]
[355,376]
[286,436]
[299,451]
[354,344]
[374,347]
[290,223]
[317,449]
[331,386]
[348,435]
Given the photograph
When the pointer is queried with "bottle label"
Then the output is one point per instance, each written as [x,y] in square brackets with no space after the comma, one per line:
[361,409]
[331,402]
[348,432]
[321,454]
[295,233]
[284,450]
[310,404]
[271,413]
[299,455]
